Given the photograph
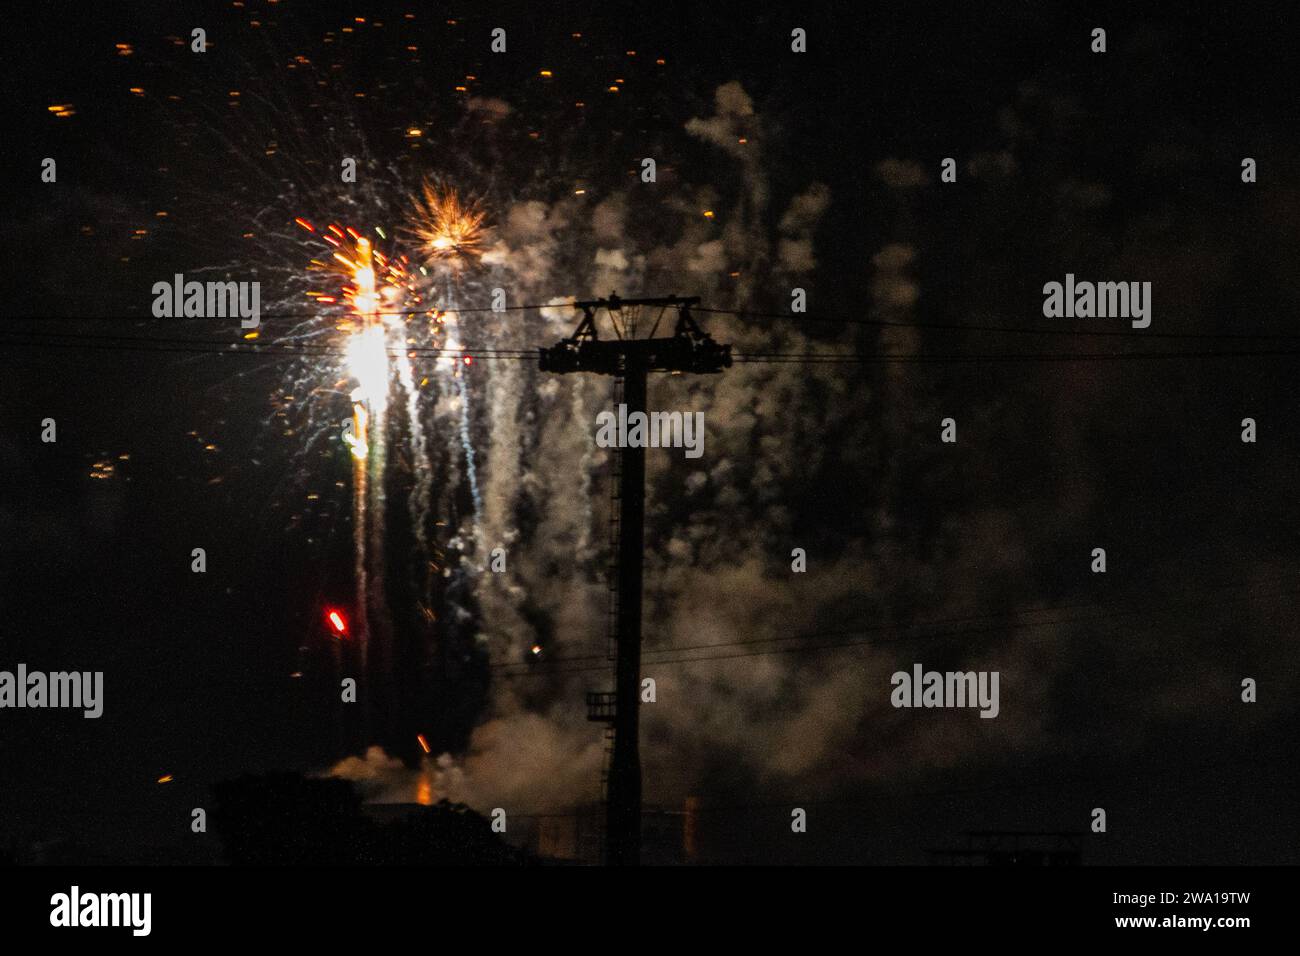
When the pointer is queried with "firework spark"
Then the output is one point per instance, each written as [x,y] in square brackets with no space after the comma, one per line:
[380,305]
[379,292]
[449,230]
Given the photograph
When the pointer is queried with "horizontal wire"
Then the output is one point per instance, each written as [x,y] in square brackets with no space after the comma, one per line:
[529,669]
[146,344]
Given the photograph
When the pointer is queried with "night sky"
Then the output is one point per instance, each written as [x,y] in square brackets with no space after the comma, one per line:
[776,171]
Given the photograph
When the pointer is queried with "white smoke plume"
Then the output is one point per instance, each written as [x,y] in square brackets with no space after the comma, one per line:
[720,531]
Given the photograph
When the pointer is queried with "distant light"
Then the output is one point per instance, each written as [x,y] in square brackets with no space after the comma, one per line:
[537,649]
[469,360]
[166,778]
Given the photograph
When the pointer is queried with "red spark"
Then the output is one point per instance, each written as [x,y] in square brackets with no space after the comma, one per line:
[337,621]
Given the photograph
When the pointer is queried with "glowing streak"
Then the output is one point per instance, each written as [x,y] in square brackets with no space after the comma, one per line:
[367,351]
[367,356]
[358,439]
[467,446]
[471,472]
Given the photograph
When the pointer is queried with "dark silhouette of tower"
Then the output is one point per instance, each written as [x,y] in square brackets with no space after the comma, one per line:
[629,360]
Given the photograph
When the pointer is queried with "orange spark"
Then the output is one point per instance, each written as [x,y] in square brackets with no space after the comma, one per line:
[449,229]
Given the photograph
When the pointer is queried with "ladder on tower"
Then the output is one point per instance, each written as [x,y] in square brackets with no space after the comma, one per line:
[602,706]
[615,532]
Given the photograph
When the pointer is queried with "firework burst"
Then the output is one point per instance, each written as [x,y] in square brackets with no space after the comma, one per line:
[449,229]
[381,302]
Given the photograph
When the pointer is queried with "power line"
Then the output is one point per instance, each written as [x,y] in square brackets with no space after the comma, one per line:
[827,358]
[1002,329]
[86,342]
[528,669]
[199,347]
[296,316]
[736,313]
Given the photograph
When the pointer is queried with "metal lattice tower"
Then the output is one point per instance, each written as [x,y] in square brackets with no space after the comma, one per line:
[629,360]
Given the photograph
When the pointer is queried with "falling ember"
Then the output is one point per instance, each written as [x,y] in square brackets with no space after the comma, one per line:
[338,622]
[166,778]
[424,744]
